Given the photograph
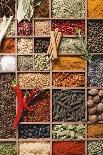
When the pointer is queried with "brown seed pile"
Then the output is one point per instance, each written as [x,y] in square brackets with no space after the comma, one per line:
[69,63]
[8,46]
[31,80]
[69,79]
[7,106]
[42,28]
[95,105]
[25,45]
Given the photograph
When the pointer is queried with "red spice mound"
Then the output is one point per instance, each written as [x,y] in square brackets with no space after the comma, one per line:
[8,46]
[41,107]
[68,148]
[68,27]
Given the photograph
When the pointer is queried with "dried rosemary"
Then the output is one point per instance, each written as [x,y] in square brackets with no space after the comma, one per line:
[82,47]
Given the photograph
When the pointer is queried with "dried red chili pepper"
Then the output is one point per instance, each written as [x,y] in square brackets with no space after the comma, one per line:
[23,101]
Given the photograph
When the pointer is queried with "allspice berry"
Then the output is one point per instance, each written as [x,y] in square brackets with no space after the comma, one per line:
[100,93]
[100,118]
[92,110]
[100,107]
[90,103]
[93,118]
[96,99]
[93,92]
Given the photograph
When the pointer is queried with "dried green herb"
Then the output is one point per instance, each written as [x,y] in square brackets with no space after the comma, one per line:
[71,131]
[82,47]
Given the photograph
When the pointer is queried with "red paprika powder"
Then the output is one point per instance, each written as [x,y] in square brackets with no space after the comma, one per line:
[69,148]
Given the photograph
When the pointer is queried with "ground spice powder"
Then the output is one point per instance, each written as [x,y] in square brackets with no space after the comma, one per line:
[69,63]
[8,46]
[95,8]
[68,148]
[95,131]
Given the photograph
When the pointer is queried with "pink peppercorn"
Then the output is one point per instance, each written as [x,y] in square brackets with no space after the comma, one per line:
[24,28]
[68,27]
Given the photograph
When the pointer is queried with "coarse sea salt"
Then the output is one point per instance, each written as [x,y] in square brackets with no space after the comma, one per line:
[8,63]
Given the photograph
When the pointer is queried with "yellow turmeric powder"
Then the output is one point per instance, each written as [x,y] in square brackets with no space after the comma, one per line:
[95,8]
[95,131]
[69,63]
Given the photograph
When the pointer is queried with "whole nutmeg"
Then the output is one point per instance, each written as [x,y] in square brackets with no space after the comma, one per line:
[100,93]
[90,103]
[93,118]
[100,107]
[93,92]
[92,110]
[100,118]
[96,99]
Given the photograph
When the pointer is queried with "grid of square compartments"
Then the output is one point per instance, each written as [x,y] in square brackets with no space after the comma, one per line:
[61,120]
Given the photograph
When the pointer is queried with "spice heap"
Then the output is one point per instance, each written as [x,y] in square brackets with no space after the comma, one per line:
[34,131]
[70,131]
[8,46]
[95,131]
[68,105]
[7,148]
[68,79]
[67,46]
[42,28]
[41,45]
[95,36]
[24,28]
[95,105]
[34,148]
[68,27]
[68,148]
[95,8]
[7,106]
[31,80]
[41,62]
[7,8]
[69,63]
[42,109]
[42,10]
[95,67]
[68,8]
[95,147]
[8,64]
[25,46]
[25,63]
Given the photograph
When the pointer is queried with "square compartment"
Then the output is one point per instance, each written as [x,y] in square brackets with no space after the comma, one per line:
[68,148]
[69,63]
[8,45]
[43,148]
[7,106]
[41,62]
[42,106]
[24,28]
[25,46]
[95,72]
[95,36]
[68,27]
[65,79]
[42,10]
[95,147]
[68,105]
[42,28]
[25,63]
[68,9]
[34,131]
[41,45]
